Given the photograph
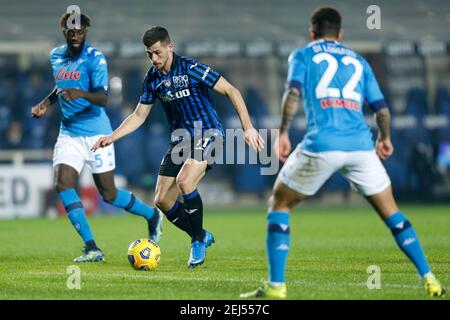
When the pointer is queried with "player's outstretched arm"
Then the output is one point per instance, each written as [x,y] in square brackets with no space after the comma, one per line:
[384,147]
[289,107]
[130,124]
[98,98]
[39,110]
[251,135]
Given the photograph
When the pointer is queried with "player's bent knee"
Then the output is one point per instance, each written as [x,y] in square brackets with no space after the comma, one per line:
[61,186]
[185,185]
[280,204]
[284,199]
[277,204]
[384,203]
[162,203]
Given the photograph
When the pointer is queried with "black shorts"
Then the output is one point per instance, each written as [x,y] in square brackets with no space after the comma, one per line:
[180,151]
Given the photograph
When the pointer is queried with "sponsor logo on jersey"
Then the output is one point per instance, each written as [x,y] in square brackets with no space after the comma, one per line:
[180,81]
[64,74]
[169,96]
[206,73]
[339,103]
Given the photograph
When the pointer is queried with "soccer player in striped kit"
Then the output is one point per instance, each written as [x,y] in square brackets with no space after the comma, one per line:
[182,85]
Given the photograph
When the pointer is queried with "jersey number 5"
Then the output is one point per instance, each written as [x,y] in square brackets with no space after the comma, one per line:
[348,92]
[99,160]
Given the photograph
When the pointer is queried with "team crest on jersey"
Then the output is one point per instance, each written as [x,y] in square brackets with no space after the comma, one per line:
[180,81]
[167,83]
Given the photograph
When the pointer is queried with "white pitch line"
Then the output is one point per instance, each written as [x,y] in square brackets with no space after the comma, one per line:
[136,276]
[156,276]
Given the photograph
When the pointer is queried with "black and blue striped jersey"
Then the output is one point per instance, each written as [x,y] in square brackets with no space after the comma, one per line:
[184,94]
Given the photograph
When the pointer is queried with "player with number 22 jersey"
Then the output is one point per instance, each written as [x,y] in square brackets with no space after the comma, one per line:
[334,82]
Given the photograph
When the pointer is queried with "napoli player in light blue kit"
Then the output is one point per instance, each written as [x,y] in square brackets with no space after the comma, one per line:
[81,77]
[334,81]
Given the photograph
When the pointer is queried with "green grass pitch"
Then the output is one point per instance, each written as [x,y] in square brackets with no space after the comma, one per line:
[331,250]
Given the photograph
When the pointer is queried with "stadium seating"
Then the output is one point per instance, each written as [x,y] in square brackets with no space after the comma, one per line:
[442,101]
[403,81]
[229,20]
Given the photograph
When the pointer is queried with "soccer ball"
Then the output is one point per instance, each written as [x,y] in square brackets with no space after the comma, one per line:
[144,254]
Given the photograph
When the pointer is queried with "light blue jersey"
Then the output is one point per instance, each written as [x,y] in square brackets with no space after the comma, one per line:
[88,72]
[334,81]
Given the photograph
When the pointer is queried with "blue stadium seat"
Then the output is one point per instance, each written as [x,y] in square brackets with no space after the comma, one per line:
[34,132]
[248,179]
[132,84]
[416,106]
[417,102]
[256,105]
[156,145]
[398,172]
[35,88]
[130,158]
[5,117]
[224,107]
[443,101]
[443,108]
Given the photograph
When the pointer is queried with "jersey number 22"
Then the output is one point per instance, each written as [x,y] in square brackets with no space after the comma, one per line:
[348,91]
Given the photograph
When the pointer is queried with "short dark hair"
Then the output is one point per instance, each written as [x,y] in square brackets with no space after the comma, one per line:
[85,21]
[326,21]
[155,34]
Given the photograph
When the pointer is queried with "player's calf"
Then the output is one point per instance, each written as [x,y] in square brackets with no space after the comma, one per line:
[277,245]
[178,217]
[407,240]
[128,201]
[77,216]
[194,210]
